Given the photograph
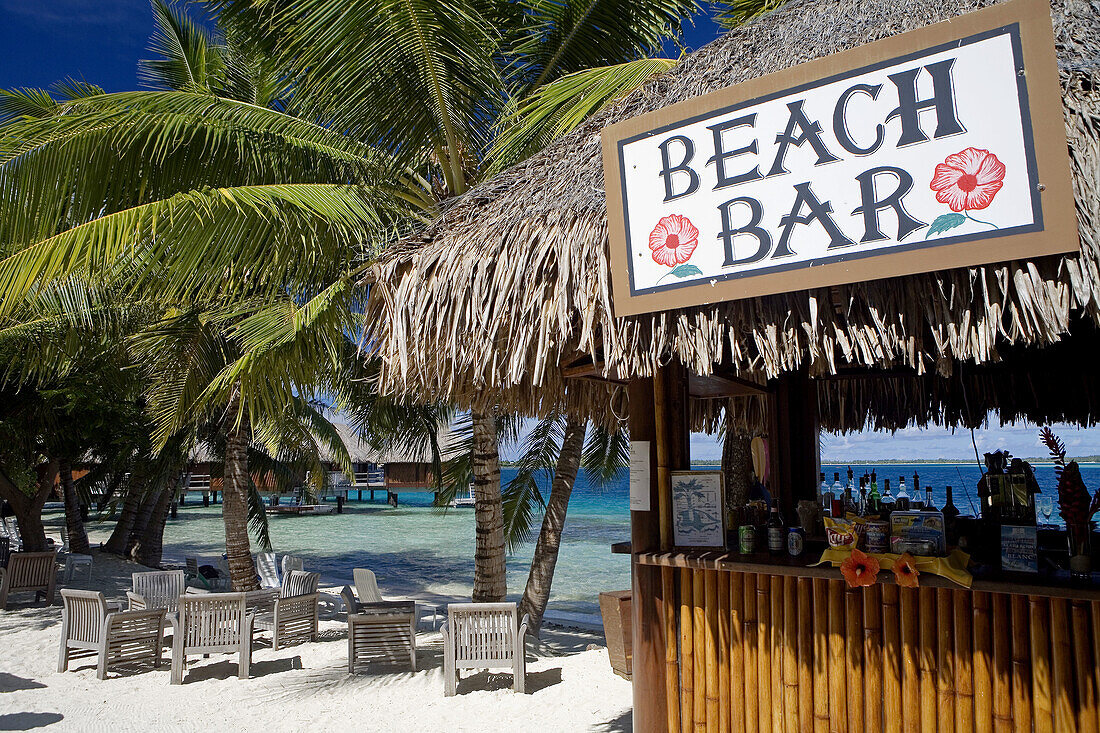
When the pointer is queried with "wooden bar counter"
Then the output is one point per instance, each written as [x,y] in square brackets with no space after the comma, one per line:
[800,651]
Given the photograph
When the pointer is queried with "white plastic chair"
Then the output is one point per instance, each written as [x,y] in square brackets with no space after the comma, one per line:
[268,570]
[366,586]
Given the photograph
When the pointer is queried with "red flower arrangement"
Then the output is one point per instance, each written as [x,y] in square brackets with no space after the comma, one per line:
[860,569]
[905,571]
[673,240]
[968,179]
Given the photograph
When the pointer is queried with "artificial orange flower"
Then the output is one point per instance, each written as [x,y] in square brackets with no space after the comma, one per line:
[905,571]
[859,569]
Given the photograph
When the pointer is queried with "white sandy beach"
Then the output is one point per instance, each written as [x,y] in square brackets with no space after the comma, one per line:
[570,687]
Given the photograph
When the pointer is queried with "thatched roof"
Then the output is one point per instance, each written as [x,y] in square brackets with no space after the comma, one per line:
[512,282]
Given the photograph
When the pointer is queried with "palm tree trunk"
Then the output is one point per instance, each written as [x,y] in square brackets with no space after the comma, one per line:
[141,521]
[490,580]
[235,496]
[28,507]
[78,537]
[150,544]
[537,593]
[736,467]
[119,541]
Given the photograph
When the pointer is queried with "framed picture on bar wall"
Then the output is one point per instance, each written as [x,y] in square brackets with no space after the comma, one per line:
[698,516]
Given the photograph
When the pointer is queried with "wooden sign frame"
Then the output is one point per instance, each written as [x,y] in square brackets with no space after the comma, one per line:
[1053,232]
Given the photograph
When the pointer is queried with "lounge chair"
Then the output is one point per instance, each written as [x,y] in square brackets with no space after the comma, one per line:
[211,623]
[291,563]
[267,569]
[483,636]
[294,617]
[194,573]
[366,586]
[5,550]
[157,589]
[73,560]
[89,627]
[11,531]
[29,572]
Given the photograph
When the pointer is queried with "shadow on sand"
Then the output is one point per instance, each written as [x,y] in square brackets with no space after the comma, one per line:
[28,721]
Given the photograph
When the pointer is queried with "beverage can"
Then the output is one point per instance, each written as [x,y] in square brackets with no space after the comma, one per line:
[795,541]
[746,539]
[878,536]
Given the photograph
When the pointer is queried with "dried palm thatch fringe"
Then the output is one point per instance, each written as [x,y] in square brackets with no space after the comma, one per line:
[512,282]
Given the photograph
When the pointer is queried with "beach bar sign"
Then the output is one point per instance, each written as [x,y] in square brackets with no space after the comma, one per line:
[939,148]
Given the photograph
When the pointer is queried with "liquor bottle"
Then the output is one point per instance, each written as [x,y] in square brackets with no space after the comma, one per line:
[777,535]
[863,496]
[928,504]
[887,503]
[875,501]
[849,494]
[902,504]
[826,498]
[950,519]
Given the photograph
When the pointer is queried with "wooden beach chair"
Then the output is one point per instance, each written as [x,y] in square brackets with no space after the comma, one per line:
[29,572]
[381,632]
[89,627]
[483,636]
[212,623]
[157,589]
[73,561]
[294,617]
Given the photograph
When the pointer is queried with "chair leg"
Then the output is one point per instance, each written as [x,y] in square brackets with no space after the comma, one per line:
[519,674]
[177,661]
[450,677]
[244,660]
[412,644]
[63,659]
[101,668]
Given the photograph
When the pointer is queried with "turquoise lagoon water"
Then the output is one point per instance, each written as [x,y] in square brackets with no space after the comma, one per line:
[428,553]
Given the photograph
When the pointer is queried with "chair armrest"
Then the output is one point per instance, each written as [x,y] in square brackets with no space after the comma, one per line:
[114,606]
[136,602]
[521,633]
[132,615]
[446,633]
[249,624]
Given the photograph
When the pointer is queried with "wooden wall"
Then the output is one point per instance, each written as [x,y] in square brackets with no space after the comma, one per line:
[779,654]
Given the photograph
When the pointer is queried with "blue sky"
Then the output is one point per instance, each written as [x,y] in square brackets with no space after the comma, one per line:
[100,42]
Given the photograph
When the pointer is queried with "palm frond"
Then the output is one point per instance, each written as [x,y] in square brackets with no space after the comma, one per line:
[188,57]
[732,13]
[606,453]
[560,106]
[257,517]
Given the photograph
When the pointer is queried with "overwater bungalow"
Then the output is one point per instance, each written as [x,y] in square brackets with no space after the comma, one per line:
[816,302]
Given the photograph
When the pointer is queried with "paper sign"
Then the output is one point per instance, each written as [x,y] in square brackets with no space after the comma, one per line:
[639,476]
[698,518]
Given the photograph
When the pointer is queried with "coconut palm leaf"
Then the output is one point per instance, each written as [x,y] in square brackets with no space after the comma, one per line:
[732,13]
[561,37]
[188,57]
[522,495]
[606,453]
[560,106]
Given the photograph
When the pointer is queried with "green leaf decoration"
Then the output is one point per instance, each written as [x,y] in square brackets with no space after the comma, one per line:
[944,222]
[686,271]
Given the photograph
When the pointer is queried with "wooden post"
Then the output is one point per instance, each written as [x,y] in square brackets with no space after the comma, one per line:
[1083,662]
[872,659]
[748,639]
[699,613]
[1002,665]
[737,696]
[1094,618]
[1061,661]
[687,654]
[964,655]
[775,644]
[891,659]
[671,616]
[653,596]
[945,658]
[763,650]
[927,658]
[1040,664]
[710,645]
[853,660]
[821,655]
[1021,666]
[724,621]
[790,655]
[838,708]
[982,668]
[796,456]
[805,656]
[910,675]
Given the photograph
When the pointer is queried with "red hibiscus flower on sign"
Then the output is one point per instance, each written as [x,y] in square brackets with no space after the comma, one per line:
[966,181]
[672,243]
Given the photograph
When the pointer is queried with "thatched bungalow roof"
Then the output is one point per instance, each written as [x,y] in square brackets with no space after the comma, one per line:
[511,285]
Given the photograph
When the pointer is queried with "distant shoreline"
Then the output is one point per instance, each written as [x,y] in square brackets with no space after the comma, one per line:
[916,461]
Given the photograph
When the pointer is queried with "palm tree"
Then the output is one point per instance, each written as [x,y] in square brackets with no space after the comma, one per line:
[455,90]
[265,187]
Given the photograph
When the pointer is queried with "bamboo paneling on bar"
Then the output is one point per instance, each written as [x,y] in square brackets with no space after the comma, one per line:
[778,653]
